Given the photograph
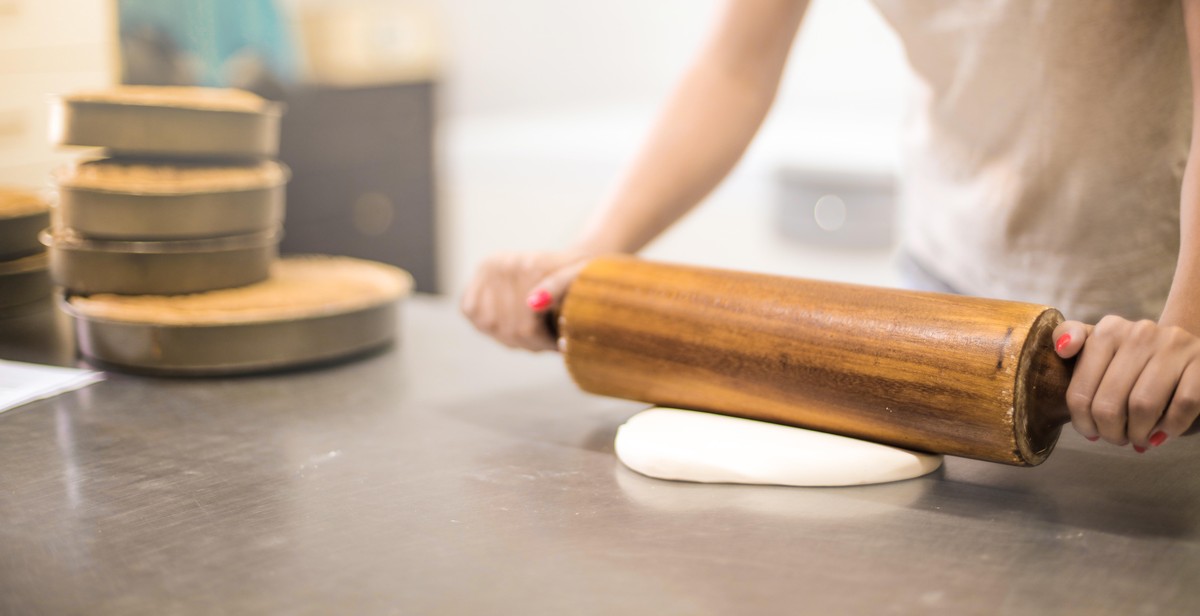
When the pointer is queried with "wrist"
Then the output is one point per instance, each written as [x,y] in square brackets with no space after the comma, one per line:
[1174,319]
[1178,314]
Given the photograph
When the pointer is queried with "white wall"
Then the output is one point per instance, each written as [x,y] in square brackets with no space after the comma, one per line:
[518,55]
[522,55]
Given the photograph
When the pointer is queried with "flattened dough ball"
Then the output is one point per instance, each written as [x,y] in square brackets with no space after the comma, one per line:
[684,445]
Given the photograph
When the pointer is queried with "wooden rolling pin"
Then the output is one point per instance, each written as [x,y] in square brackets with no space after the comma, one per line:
[940,373]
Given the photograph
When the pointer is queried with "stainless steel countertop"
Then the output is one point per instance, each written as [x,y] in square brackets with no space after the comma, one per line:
[451,476]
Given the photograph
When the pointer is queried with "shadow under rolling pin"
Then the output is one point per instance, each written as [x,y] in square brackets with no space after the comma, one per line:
[947,374]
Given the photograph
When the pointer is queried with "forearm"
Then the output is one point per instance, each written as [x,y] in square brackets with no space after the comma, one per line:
[703,130]
[702,133]
[1183,304]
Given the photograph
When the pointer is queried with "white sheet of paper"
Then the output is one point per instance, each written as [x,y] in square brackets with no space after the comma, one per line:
[22,383]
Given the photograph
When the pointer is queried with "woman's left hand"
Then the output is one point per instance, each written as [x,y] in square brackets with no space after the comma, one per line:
[1134,382]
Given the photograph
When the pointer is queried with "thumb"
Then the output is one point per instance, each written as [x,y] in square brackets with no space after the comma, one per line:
[547,296]
[1069,337]
[548,292]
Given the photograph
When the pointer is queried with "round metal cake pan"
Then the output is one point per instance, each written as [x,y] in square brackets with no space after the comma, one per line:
[141,130]
[23,281]
[86,266]
[19,234]
[242,348]
[117,215]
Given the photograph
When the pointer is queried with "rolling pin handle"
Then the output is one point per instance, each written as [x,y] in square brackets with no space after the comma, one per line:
[550,322]
[551,316]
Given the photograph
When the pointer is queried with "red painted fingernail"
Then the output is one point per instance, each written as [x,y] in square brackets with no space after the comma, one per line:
[539,300]
[1092,438]
[1157,438]
[1062,343]
[1139,449]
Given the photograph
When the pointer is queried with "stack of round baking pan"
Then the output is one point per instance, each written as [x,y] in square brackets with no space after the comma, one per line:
[186,200]
[167,246]
[23,279]
[311,310]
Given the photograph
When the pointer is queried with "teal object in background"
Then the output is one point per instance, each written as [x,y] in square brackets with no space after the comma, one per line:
[222,43]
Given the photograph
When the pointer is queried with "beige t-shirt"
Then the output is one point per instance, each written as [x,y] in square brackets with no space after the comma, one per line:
[1045,148]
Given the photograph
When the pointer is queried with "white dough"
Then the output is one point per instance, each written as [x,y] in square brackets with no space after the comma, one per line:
[707,448]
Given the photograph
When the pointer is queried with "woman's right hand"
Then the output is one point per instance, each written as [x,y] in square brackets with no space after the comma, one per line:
[510,293]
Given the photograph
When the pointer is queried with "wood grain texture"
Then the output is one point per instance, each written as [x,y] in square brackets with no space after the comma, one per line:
[941,373]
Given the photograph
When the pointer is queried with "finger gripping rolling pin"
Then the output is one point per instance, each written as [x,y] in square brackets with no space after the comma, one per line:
[948,374]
